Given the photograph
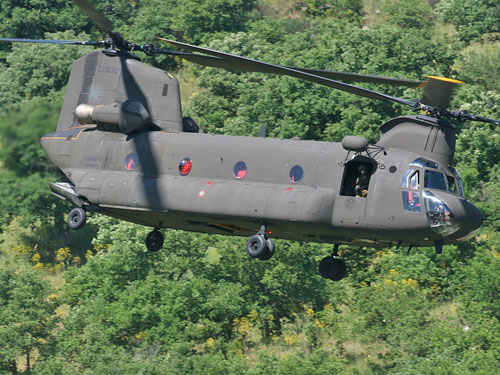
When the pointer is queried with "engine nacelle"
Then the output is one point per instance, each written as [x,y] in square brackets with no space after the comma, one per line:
[125,117]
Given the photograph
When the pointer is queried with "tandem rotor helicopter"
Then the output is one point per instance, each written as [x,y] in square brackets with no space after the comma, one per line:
[128,153]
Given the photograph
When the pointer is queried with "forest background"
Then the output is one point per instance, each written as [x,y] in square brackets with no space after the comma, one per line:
[95,302]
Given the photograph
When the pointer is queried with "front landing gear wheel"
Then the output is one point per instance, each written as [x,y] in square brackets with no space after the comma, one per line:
[269,251]
[332,268]
[154,240]
[77,218]
[256,246]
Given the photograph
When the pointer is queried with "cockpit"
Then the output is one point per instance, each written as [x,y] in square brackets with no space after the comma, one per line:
[427,174]
[418,182]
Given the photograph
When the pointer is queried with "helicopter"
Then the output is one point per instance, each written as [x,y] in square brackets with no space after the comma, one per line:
[127,152]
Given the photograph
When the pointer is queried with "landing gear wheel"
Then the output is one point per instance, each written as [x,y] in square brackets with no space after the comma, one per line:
[332,268]
[269,251]
[328,267]
[77,218]
[154,241]
[342,272]
[256,246]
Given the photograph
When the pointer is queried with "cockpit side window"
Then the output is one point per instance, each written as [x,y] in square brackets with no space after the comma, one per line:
[452,186]
[458,178]
[411,179]
[411,199]
[414,180]
[434,180]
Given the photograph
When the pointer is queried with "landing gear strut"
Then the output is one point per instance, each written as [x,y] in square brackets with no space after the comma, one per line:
[154,240]
[258,246]
[333,267]
[77,218]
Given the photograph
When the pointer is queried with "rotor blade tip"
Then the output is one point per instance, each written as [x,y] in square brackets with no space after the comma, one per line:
[451,80]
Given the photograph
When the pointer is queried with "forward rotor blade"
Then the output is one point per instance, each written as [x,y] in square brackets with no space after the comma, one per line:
[463,116]
[357,77]
[90,43]
[103,23]
[219,62]
[246,64]
[438,91]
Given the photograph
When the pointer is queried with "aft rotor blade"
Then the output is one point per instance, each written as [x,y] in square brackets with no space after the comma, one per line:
[103,23]
[90,43]
[246,64]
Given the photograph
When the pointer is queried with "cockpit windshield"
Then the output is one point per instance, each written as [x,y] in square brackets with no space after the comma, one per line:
[421,162]
[432,177]
[434,180]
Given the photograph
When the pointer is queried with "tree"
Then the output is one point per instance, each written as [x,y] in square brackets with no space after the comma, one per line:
[408,13]
[238,103]
[26,315]
[31,18]
[37,70]
[472,19]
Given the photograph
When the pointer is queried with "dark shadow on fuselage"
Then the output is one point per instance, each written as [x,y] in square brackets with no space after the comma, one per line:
[142,142]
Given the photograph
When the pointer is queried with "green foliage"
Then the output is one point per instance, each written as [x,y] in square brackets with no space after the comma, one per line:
[348,9]
[408,13]
[20,132]
[33,18]
[473,18]
[238,103]
[30,198]
[479,63]
[201,305]
[193,21]
[37,70]
[26,315]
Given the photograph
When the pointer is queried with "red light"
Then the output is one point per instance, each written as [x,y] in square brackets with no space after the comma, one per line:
[269,232]
[185,166]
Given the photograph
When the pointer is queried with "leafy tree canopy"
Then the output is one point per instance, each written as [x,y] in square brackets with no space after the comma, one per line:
[472,18]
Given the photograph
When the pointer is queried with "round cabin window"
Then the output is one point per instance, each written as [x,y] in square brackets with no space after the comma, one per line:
[185,166]
[296,174]
[240,169]
[131,161]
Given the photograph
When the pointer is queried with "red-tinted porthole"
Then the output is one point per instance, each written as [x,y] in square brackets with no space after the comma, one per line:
[185,166]
[131,161]
[240,169]
[296,174]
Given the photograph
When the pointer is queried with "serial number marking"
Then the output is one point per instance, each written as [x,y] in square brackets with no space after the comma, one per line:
[108,69]
[92,158]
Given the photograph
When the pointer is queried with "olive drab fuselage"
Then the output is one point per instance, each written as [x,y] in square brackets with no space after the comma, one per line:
[138,163]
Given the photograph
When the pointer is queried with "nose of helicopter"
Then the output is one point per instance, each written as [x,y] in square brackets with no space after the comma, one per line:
[469,217]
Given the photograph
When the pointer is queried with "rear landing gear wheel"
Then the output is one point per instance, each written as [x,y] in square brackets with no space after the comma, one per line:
[77,218]
[332,268]
[154,240]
